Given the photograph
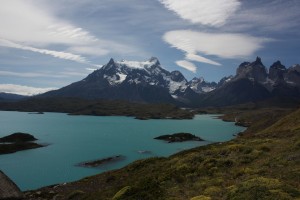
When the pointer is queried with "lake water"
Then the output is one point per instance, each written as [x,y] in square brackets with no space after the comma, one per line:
[75,139]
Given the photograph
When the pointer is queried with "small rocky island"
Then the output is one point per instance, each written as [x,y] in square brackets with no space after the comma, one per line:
[179,137]
[17,142]
[98,163]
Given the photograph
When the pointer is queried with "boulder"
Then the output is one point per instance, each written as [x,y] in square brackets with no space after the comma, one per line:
[8,189]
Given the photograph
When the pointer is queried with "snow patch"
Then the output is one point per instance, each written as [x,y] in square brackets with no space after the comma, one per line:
[207,89]
[136,64]
[173,86]
[122,78]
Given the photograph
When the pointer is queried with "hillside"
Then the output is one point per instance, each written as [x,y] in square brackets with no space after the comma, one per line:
[262,163]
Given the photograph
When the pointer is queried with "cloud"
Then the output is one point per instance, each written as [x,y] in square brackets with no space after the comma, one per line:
[25,21]
[57,54]
[89,50]
[91,69]
[198,58]
[187,65]
[259,16]
[36,75]
[206,12]
[223,45]
[22,89]
[38,26]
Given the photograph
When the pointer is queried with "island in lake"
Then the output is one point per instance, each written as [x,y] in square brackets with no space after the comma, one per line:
[17,142]
[103,161]
[179,137]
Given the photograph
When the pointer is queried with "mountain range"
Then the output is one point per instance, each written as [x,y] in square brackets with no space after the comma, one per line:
[149,82]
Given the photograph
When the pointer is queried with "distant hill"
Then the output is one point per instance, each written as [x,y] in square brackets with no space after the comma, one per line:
[11,97]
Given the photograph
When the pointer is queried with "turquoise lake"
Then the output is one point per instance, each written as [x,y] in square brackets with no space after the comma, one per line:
[75,139]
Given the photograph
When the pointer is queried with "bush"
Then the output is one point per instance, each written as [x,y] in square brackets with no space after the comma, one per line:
[201,197]
[121,193]
[259,188]
[75,194]
[212,191]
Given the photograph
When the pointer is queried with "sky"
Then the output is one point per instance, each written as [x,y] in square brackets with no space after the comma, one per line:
[48,44]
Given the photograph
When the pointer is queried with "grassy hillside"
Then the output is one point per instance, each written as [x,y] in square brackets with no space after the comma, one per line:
[262,163]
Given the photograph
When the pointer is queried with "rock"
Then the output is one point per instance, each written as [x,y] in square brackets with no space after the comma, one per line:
[17,142]
[97,163]
[144,152]
[19,146]
[277,72]
[18,137]
[8,189]
[255,71]
[179,137]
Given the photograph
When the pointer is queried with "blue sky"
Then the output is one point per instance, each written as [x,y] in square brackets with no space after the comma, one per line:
[48,44]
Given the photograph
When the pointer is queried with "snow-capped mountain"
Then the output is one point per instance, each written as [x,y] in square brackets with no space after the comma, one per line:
[148,81]
[199,85]
[143,81]
[145,73]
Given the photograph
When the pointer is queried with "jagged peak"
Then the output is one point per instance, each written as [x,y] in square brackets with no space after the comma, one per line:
[244,64]
[111,61]
[258,59]
[277,65]
[111,64]
[153,59]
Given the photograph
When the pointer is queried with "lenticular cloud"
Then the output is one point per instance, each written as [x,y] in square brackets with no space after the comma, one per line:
[206,12]
[223,45]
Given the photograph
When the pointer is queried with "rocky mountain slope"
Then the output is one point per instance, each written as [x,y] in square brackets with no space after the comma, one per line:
[128,80]
[253,82]
[150,83]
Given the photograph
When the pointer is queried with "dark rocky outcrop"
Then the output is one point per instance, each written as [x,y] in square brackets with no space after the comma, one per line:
[255,70]
[17,142]
[277,72]
[293,75]
[179,137]
[103,161]
[8,189]
[18,137]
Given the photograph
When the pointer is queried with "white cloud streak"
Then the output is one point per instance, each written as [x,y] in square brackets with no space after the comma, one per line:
[206,12]
[223,45]
[36,75]
[24,21]
[194,57]
[22,89]
[57,54]
[187,65]
[32,26]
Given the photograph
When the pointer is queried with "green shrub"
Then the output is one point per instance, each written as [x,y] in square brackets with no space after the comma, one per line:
[75,194]
[259,188]
[121,193]
[212,191]
[265,148]
[201,197]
